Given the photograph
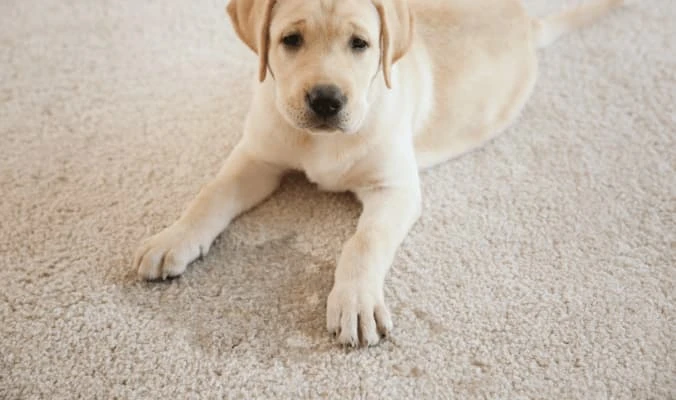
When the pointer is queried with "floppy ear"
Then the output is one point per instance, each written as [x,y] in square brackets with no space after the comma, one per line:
[396,30]
[251,20]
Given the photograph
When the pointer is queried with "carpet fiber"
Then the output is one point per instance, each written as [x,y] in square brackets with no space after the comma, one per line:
[543,266]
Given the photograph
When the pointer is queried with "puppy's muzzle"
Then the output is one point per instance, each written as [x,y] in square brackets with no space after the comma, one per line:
[325,101]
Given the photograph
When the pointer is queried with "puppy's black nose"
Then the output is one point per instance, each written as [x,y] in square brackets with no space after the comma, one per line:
[326,100]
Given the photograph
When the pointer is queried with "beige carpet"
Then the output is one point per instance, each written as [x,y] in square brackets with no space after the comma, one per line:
[543,267]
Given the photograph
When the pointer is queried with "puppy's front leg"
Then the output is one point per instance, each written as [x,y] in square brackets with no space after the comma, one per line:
[356,310]
[242,182]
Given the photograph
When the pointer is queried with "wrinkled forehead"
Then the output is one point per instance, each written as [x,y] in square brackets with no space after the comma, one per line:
[329,16]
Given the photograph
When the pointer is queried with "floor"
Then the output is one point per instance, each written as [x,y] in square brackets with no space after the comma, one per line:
[543,266]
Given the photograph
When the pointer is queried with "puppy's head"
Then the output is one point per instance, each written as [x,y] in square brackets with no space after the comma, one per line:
[324,55]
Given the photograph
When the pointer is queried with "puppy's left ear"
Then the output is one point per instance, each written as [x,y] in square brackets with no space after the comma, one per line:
[396,30]
[251,20]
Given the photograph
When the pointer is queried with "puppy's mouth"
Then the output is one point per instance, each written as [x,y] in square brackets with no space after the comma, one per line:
[324,127]
[331,126]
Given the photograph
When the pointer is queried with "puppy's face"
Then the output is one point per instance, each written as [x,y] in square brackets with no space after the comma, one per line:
[324,56]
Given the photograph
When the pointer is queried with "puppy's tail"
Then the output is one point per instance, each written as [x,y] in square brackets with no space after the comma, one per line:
[550,28]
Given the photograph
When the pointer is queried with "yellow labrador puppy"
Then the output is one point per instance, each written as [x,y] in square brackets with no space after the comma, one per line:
[361,95]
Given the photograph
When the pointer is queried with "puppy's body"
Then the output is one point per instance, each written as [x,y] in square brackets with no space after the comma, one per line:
[491,74]
[444,108]
[420,94]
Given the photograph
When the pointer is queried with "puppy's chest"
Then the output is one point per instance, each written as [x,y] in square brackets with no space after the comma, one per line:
[331,166]
[329,173]
[330,162]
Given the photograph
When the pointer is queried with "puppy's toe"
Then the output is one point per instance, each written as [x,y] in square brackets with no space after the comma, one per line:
[333,318]
[349,334]
[150,264]
[383,320]
[367,328]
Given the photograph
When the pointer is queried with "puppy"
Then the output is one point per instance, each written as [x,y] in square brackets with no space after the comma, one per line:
[361,95]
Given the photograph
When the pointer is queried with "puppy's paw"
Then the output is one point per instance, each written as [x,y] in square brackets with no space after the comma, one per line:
[168,253]
[357,314]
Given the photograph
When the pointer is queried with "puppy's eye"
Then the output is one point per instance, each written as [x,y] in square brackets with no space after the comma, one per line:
[358,44]
[294,40]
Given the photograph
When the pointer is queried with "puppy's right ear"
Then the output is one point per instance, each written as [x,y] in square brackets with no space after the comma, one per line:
[251,20]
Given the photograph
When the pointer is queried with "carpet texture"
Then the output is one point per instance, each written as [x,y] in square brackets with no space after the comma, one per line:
[543,266]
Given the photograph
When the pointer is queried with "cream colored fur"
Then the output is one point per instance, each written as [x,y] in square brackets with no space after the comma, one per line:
[451,75]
